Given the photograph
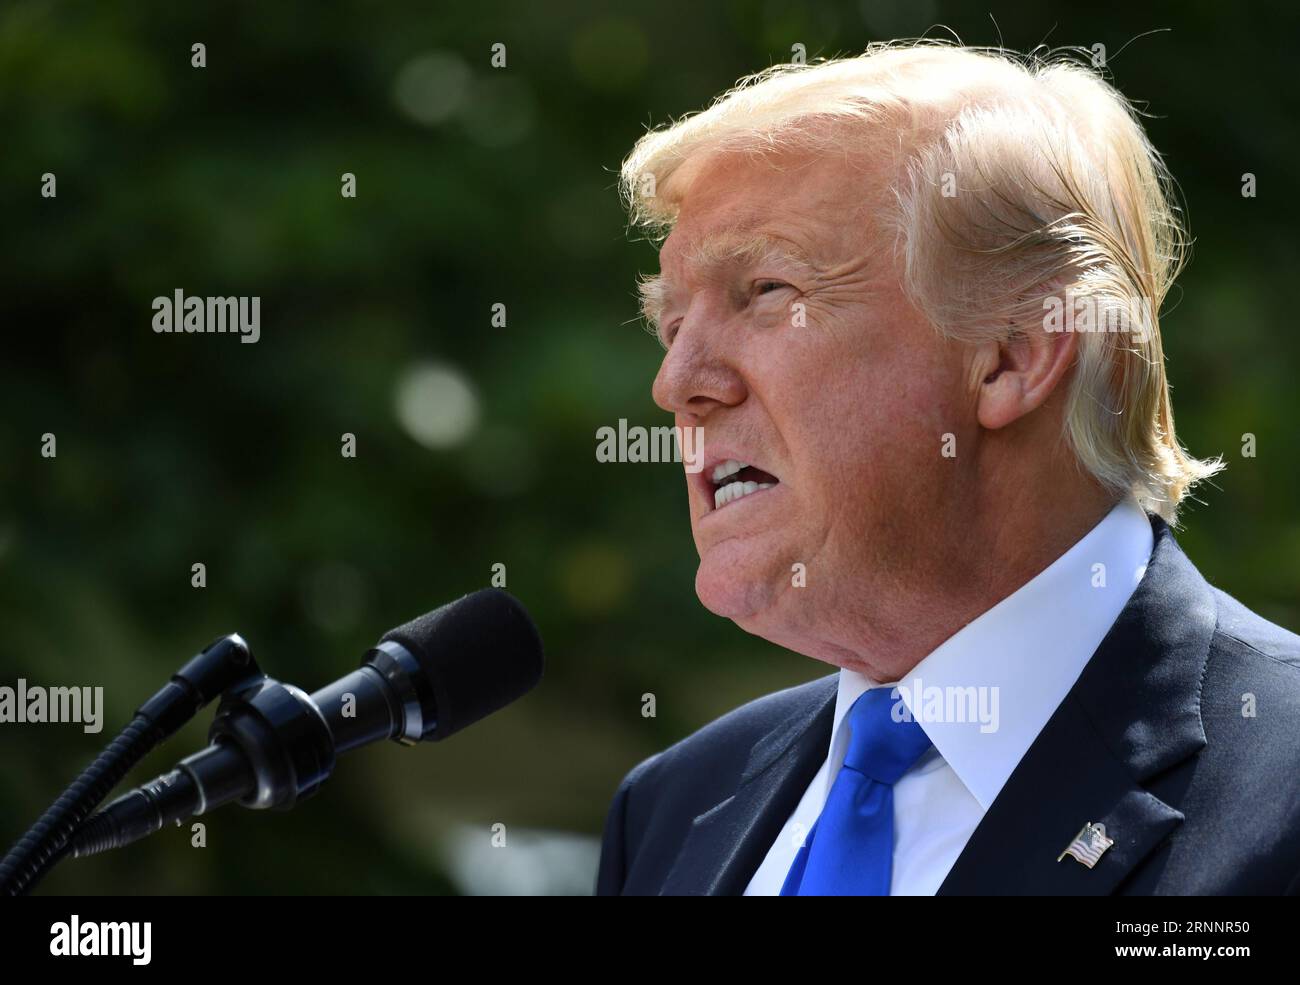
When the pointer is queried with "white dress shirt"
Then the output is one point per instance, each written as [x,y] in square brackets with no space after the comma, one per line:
[1022,656]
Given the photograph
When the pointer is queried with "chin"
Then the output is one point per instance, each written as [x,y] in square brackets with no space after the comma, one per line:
[736,592]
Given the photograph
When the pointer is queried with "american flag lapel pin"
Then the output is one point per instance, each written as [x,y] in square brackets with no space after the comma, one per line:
[1088,845]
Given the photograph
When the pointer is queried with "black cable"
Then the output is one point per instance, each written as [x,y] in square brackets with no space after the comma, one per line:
[50,863]
[226,664]
[45,840]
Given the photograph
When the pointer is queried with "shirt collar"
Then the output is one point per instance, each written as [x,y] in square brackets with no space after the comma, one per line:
[1021,657]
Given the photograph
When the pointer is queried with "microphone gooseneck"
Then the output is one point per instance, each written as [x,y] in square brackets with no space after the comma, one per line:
[224,664]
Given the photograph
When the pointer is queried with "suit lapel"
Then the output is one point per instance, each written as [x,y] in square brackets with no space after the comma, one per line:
[727,843]
[1066,779]
[1133,713]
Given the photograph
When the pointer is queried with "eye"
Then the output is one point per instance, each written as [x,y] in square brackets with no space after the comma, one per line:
[768,286]
[668,334]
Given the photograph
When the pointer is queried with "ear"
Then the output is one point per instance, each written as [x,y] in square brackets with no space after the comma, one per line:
[1019,373]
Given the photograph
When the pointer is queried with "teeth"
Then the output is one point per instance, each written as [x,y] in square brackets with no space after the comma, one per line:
[729,467]
[736,490]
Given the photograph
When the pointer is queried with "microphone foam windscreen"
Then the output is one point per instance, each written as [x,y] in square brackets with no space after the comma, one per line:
[479,653]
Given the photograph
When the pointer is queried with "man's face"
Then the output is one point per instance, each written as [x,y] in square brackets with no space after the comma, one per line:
[791,345]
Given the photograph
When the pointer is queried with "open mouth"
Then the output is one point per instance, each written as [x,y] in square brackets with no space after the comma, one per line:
[733,480]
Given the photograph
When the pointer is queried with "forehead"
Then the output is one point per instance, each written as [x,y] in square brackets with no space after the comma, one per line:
[817,207]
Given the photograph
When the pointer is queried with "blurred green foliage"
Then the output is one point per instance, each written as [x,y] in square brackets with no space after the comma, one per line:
[475,186]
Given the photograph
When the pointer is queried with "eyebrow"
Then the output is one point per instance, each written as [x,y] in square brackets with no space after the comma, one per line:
[655,290]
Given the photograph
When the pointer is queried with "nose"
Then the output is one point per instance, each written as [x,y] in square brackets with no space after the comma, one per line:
[698,375]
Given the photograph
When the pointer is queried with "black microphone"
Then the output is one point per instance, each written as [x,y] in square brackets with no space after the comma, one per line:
[272,744]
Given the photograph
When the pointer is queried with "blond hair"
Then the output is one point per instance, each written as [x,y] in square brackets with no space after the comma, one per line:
[1016,181]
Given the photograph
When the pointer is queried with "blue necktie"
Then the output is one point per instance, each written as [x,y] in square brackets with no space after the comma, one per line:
[850,850]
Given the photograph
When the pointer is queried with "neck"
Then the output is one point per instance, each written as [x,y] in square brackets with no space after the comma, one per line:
[971,561]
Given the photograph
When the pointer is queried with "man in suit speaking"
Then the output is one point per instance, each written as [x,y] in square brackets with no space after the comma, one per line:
[912,300]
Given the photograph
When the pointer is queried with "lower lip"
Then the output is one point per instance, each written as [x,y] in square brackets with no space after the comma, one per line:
[727,507]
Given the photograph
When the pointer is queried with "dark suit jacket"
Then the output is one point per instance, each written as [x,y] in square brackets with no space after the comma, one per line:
[1151,741]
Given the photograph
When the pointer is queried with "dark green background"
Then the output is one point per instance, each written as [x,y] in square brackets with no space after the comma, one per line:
[176,449]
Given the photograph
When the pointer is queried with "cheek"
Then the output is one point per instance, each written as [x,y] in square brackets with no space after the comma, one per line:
[873,432]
